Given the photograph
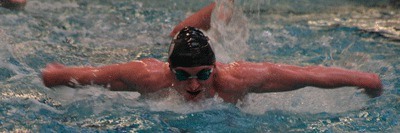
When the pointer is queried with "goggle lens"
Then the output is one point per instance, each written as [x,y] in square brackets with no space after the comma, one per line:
[201,75]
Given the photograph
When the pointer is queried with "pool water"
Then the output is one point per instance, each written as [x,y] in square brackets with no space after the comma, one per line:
[354,34]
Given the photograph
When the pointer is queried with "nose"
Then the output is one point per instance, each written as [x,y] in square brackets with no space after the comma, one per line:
[193,84]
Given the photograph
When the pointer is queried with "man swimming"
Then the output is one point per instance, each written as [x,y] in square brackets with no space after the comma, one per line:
[194,73]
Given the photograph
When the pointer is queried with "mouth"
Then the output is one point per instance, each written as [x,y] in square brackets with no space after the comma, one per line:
[194,93]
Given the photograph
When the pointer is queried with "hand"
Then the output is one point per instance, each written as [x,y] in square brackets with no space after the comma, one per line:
[50,74]
[372,93]
[374,89]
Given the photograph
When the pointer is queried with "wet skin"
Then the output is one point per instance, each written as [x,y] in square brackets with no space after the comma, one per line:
[230,81]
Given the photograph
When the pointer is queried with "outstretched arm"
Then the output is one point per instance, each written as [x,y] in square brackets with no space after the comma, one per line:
[285,78]
[142,76]
[57,74]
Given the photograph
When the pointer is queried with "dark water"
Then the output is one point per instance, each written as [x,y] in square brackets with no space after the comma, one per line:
[355,34]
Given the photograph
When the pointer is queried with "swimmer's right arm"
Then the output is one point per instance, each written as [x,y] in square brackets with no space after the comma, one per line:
[56,74]
[144,76]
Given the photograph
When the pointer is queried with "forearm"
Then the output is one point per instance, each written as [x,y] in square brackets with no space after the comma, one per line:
[286,78]
[72,77]
[108,76]
[325,77]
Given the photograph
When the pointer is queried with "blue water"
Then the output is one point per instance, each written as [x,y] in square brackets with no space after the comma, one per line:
[355,34]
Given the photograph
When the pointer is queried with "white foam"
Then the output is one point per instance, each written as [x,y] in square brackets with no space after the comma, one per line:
[173,102]
[309,99]
[229,38]
[176,103]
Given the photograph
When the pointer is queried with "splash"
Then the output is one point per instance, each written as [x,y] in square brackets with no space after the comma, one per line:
[176,103]
[306,100]
[229,34]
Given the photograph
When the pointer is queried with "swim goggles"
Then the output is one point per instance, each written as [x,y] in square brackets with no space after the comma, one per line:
[201,75]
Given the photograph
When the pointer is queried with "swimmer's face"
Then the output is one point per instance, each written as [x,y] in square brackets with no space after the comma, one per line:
[194,83]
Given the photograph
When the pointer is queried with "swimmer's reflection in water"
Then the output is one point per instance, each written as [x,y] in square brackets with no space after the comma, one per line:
[194,73]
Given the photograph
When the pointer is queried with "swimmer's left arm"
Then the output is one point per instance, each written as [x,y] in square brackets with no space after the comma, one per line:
[286,78]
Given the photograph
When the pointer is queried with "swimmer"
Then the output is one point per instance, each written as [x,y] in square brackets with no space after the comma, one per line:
[13,4]
[194,73]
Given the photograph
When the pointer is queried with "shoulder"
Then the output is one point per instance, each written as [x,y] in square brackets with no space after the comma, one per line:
[243,66]
[244,72]
[151,60]
[148,74]
[240,75]
[145,63]
[142,68]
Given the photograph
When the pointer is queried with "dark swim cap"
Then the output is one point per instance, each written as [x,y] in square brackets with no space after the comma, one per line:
[190,48]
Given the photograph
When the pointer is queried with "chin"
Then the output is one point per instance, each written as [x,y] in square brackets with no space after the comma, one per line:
[194,98]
